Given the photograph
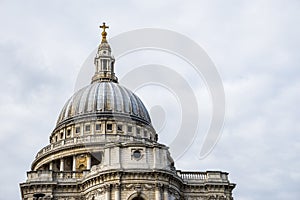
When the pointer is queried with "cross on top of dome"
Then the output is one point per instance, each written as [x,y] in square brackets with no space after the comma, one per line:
[104,34]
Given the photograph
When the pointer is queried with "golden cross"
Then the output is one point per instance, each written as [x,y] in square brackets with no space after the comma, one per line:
[104,27]
[103,32]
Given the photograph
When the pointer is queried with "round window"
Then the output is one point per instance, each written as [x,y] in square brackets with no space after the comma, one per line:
[137,154]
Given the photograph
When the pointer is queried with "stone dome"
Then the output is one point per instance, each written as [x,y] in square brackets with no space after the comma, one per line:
[107,99]
[104,98]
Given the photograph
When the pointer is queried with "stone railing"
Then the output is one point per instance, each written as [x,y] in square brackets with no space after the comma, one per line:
[65,176]
[189,177]
[89,139]
[37,176]
[208,176]
[192,175]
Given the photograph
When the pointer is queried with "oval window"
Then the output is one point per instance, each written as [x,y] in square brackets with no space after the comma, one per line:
[137,154]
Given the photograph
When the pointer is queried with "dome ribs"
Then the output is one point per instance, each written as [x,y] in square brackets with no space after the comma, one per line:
[110,98]
[134,103]
[119,107]
[83,100]
[89,103]
[96,98]
[77,100]
[68,109]
[126,97]
[104,99]
[100,98]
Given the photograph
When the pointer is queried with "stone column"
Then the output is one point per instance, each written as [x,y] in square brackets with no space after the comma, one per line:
[117,192]
[166,192]
[72,131]
[61,166]
[74,167]
[107,192]
[88,162]
[74,164]
[50,166]
[64,133]
[157,192]
[93,128]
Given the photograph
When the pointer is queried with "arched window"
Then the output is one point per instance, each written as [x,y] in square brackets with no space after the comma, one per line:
[137,196]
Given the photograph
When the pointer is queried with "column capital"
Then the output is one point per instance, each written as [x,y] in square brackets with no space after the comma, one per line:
[117,185]
[158,185]
[107,187]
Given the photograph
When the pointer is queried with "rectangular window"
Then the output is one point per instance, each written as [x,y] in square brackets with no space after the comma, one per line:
[104,62]
[120,127]
[88,128]
[129,128]
[68,132]
[109,127]
[138,131]
[77,129]
[61,135]
[98,127]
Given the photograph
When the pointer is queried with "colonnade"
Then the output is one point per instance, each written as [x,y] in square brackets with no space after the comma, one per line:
[62,163]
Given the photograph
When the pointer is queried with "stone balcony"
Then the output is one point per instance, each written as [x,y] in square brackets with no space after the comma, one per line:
[187,177]
[88,140]
[201,177]
[50,176]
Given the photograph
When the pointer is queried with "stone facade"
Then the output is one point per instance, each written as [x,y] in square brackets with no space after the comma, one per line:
[105,148]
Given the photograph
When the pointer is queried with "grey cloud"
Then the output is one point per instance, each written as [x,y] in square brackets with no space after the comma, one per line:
[254,45]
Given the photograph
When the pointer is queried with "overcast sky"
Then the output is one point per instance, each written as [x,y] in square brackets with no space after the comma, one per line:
[254,45]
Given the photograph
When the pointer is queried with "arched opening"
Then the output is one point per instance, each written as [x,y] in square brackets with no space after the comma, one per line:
[81,167]
[138,198]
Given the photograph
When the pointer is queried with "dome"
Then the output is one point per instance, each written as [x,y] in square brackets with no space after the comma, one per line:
[104,107]
[107,99]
